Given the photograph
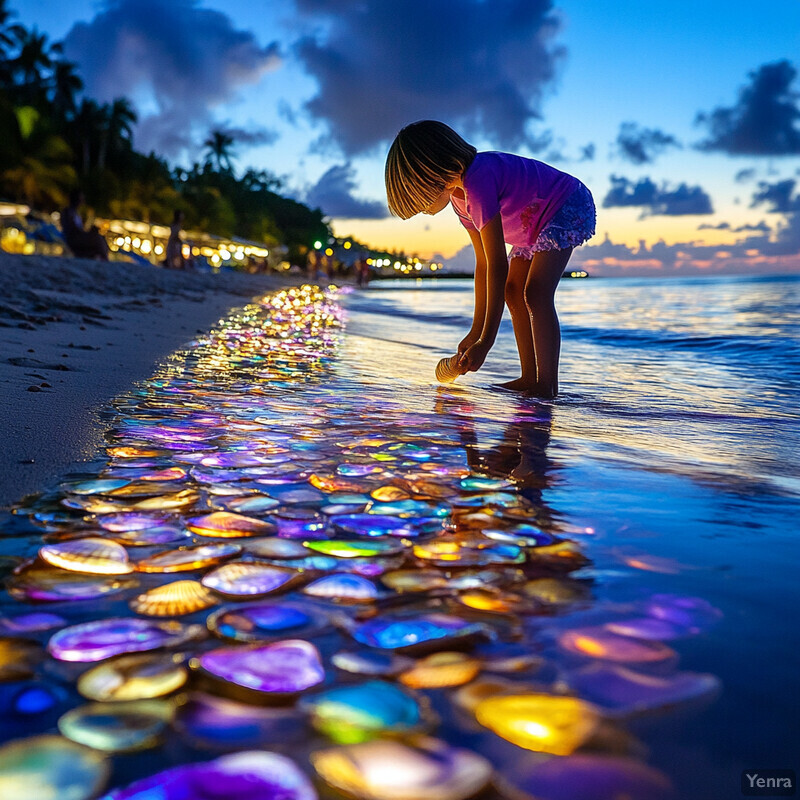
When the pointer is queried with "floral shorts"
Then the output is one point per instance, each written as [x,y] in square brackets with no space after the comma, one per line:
[572,225]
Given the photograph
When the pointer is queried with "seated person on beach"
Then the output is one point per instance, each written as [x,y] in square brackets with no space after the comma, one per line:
[499,198]
[174,256]
[83,243]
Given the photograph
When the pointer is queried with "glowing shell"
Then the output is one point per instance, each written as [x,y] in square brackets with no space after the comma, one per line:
[228,525]
[388,770]
[344,588]
[541,722]
[50,767]
[246,580]
[186,559]
[103,638]
[283,668]
[92,555]
[135,677]
[173,599]
[440,670]
[261,621]
[423,632]
[598,642]
[249,774]
[118,727]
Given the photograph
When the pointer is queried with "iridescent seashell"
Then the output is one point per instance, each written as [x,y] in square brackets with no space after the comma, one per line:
[389,494]
[454,552]
[97,486]
[249,775]
[131,521]
[584,777]
[598,642]
[415,580]
[18,658]
[173,501]
[372,525]
[522,536]
[431,631]
[647,628]
[32,622]
[340,548]
[134,677]
[470,696]
[370,662]
[545,723]
[262,622]
[411,508]
[50,584]
[117,727]
[482,483]
[229,525]
[173,599]
[210,721]
[351,714]
[343,588]
[160,534]
[619,691]
[143,488]
[186,559]
[92,555]
[440,670]
[280,669]
[256,504]
[274,548]
[50,767]
[558,557]
[246,580]
[388,770]
[103,638]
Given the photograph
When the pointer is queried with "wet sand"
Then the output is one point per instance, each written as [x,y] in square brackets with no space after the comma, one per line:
[75,333]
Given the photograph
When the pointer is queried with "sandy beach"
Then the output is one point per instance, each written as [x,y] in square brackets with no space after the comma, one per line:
[74,333]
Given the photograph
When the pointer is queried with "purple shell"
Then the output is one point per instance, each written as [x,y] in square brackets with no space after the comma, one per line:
[692,613]
[250,775]
[286,667]
[103,638]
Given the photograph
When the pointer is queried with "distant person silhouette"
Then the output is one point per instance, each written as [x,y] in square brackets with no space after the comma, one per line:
[83,243]
[174,256]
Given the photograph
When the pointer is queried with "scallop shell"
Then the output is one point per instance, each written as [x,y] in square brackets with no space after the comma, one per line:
[441,670]
[174,599]
[175,500]
[92,555]
[134,677]
[244,579]
[343,588]
[186,559]
[228,525]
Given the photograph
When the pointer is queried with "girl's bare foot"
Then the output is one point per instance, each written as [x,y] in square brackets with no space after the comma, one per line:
[518,385]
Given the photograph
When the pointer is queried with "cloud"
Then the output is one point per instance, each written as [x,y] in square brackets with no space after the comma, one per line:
[482,67]
[176,60]
[657,201]
[588,152]
[744,175]
[778,196]
[333,193]
[250,137]
[642,145]
[763,121]
[707,226]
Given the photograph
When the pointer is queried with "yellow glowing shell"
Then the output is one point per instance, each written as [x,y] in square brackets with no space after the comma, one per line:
[140,676]
[388,494]
[447,369]
[228,525]
[174,599]
[472,695]
[18,658]
[440,550]
[487,600]
[561,555]
[175,500]
[414,580]
[440,670]
[388,770]
[93,555]
[541,722]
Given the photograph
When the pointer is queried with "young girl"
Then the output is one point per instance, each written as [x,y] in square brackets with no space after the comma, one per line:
[500,198]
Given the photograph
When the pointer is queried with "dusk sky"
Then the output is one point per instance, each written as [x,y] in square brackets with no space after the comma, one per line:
[682,118]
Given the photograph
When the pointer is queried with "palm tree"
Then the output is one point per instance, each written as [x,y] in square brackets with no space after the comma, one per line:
[66,84]
[9,34]
[86,129]
[34,57]
[219,146]
[120,118]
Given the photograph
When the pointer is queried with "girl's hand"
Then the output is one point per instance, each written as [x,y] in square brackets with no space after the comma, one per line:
[473,358]
[466,343]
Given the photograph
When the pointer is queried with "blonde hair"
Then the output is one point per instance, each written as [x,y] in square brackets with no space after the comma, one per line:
[424,157]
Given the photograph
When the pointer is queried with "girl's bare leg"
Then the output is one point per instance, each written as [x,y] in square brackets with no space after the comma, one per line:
[518,270]
[540,288]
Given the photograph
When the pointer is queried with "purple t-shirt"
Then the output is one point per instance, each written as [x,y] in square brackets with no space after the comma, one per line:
[527,193]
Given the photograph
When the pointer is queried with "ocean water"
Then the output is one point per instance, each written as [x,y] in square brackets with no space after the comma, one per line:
[676,440]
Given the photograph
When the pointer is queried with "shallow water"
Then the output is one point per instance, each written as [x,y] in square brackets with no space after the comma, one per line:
[669,461]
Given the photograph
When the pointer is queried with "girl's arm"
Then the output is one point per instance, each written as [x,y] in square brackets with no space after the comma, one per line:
[494,249]
[479,314]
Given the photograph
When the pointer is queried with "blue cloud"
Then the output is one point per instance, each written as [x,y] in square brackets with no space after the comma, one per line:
[657,201]
[333,194]
[643,145]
